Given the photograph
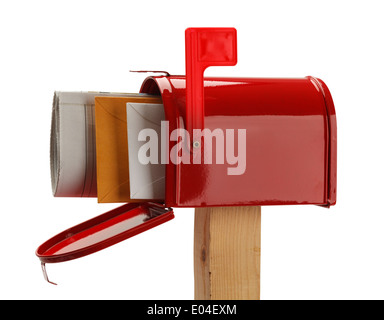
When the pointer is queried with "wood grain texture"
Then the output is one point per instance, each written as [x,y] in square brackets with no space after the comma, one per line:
[227,253]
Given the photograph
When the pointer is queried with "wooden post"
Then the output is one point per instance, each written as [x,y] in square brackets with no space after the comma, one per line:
[227,253]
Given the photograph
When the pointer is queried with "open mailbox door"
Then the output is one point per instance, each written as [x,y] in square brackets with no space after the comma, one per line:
[102,231]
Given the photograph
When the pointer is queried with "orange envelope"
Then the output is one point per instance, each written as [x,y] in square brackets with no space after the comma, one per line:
[112,147]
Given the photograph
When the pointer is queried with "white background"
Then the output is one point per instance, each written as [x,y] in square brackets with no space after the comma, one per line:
[307,252]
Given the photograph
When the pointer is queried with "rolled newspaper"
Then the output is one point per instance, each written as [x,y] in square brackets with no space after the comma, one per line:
[73,154]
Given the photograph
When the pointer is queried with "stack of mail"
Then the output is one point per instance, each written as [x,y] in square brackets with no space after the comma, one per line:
[95,146]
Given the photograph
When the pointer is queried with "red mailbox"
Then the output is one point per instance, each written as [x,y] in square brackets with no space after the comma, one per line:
[290,142]
[288,148]
[245,142]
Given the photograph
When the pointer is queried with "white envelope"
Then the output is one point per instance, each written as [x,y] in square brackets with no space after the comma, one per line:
[147,181]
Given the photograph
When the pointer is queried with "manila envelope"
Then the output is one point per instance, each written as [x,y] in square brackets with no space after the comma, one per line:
[112,161]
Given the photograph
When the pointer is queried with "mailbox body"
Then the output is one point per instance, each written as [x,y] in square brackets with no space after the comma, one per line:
[290,142]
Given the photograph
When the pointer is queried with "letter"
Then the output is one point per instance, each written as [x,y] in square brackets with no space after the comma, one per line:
[150,310]
[215,309]
[177,311]
[181,145]
[151,146]
[159,310]
[164,142]
[169,310]
[208,148]
[241,158]
[194,309]
[233,311]
[196,146]
[222,308]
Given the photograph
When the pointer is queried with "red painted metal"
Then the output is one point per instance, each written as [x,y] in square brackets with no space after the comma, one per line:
[204,47]
[103,231]
[290,142]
